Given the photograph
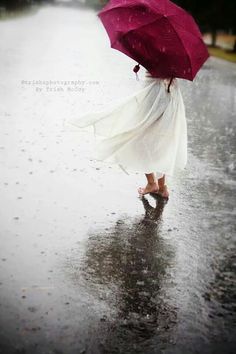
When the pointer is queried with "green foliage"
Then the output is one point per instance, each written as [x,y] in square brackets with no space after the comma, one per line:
[223,54]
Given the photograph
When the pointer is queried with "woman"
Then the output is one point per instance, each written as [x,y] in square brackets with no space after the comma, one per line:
[145,132]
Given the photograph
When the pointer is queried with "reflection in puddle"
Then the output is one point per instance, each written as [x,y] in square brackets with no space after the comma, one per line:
[127,266]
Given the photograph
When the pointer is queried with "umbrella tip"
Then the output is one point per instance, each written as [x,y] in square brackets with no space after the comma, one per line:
[136,68]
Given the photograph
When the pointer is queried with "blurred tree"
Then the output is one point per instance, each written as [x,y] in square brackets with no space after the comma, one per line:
[212,15]
[14,4]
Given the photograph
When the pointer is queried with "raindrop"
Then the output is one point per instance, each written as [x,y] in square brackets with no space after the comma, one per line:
[32,309]
[140,282]
[230,167]
[103,319]
[34,329]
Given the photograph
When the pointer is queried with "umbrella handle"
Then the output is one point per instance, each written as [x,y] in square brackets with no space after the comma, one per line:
[168,90]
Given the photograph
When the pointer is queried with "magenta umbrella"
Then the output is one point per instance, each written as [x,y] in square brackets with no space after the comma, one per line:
[158,34]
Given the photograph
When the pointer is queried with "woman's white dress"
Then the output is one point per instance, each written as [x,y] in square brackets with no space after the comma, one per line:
[145,132]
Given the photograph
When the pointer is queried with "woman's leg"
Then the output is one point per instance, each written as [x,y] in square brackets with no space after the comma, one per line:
[163,191]
[152,185]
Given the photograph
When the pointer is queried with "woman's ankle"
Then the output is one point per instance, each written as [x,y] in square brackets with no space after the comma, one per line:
[151,179]
[161,182]
[153,183]
[163,187]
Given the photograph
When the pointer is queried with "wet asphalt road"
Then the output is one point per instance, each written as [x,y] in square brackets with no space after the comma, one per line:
[85,265]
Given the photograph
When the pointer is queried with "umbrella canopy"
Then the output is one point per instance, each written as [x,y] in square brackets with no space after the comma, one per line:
[158,34]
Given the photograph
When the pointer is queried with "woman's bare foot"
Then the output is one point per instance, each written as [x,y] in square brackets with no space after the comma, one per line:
[150,188]
[163,192]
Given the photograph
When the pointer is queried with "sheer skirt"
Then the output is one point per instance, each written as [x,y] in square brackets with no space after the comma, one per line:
[145,132]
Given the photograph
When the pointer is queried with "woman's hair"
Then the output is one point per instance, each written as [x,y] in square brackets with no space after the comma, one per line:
[170,82]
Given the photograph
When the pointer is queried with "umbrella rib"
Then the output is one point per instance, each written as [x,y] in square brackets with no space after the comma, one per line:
[112,8]
[183,47]
[122,7]
[135,29]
